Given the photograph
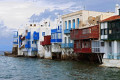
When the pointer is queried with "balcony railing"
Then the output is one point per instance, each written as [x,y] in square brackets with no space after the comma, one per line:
[15,41]
[67,31]
[34,49]
[67,45]
[82,50]
[91,32]
[56,40]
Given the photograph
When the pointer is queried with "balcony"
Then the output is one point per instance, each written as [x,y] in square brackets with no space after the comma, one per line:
[28,45]
[36,35]
[82,50]
[85,33]
[67,45]
[34,49]
[67,31]
[22,38]
[53,31]
[56,40]
[47,41]
[28,35]
[15,41]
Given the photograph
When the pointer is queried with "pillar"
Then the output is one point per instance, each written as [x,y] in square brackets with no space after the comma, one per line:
[115,50]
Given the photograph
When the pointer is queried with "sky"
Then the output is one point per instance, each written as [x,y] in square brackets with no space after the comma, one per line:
[16,13]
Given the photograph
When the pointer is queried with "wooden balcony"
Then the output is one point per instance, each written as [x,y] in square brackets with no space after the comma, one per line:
[81,46]
[47,40]
[85,33]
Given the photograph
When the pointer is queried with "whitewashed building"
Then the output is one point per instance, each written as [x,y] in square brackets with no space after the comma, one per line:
[56,39]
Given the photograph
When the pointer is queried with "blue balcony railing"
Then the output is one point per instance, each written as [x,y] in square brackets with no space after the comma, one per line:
[28,45]
[56,40]
[34,49]
[28,35]
[53,30]
[67,31]
[36,35]
[15,42]
[67,45]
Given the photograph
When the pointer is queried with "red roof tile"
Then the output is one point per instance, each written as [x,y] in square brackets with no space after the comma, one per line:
[111,18]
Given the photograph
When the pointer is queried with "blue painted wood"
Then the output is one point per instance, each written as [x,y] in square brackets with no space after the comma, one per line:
[73,23]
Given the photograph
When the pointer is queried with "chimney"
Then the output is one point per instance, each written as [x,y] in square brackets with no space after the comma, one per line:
[117,9]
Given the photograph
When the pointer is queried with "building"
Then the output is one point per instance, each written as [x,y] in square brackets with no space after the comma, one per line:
[45,41]
[56,39]
[110,35]
[20,31]
[15,43]
[78,20]
[28,40]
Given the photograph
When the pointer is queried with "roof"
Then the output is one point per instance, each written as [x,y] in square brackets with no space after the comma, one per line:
[81,12]
[112,18]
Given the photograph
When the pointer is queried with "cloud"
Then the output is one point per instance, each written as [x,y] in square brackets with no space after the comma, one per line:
[14,13]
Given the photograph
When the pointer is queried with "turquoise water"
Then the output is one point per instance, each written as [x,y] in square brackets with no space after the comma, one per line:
[40,69]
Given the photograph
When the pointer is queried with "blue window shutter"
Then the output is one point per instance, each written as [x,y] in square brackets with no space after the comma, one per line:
[65,24]
[73,23]
[78,22]
[69,24]
[43,33]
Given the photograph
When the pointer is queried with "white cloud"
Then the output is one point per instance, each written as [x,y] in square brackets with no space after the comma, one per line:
[14,13]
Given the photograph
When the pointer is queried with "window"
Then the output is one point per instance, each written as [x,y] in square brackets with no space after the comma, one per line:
[69,24]
[102,43]
[105,31]
[65,24]
[110,44]
[110,31]
[43,33]
[34,42]
[102,31]
[55,36]
[113,24]
[86,31]
[52,36]
[68,39]
[77,22]
[59,36]
[34,24]
[73,23]
[65,39]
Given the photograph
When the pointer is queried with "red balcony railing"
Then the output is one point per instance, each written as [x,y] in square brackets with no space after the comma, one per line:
[47,40]
[83,50]
[85,33]
[82,46]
